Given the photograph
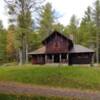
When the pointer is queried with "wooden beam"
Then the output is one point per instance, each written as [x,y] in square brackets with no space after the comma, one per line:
[45,58]
[60,58]
[67,58]
[52,58]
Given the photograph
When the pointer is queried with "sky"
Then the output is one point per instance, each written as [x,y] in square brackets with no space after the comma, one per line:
[66,8]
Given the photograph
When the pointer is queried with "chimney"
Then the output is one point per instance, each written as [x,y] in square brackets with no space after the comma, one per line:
[71,37]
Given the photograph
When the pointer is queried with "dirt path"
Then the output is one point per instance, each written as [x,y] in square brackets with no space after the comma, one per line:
[6,87]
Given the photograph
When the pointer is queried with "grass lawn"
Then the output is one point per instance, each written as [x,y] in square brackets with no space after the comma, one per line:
[69,77]
[30,97]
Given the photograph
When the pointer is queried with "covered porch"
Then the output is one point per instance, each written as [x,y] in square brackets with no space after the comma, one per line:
[50,58]
[56,58]
[40,56]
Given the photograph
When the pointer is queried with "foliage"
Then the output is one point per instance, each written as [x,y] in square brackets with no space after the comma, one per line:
[96,18]
[35,41]
[72,28]
[86,35]
[47,19]
[59,27]
[21,11]
[10,48]
[3,42]
[25,37]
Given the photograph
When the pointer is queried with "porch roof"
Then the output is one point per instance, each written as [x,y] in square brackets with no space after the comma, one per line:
[81,49]
[76,49]
[41,50]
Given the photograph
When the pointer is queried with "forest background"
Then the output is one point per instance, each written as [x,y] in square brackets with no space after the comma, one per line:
[25,31]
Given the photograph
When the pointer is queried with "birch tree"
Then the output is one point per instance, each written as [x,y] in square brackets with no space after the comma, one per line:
[21,12]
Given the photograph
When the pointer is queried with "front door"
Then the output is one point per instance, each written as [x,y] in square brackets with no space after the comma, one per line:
[56,58]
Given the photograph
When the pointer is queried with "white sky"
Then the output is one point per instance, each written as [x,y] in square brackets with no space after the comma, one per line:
[65,7]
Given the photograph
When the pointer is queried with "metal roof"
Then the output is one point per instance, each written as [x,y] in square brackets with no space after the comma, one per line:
[41,50]
[76,49]
[80,49]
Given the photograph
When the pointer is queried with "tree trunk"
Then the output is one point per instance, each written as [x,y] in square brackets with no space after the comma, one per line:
[26,53]
[22,53]
[20,57]
[23,50]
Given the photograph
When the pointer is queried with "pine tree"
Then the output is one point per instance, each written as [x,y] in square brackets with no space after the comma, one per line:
[87,29]
[72,28]
[96,17]
[21,12]
[59,27]
[46,20]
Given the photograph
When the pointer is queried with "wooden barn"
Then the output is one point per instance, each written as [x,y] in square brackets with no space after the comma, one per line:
[58,48]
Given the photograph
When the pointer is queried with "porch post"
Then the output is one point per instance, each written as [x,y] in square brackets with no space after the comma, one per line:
[60,57]
[67,60]
[45,58]
[37,59]
[92,60]
[52,58]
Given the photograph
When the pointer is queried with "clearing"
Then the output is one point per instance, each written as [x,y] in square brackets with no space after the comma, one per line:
[73,81]
[65,77]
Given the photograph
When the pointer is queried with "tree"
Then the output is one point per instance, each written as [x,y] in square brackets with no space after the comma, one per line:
[47,19]
[72,28]
[22,11]
[36,42]
[24,27]
[2,43]
[96,17]
[11,42]
[58,27]
[86,32]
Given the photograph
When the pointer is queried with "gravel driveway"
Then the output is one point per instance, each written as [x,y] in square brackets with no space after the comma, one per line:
[8,87]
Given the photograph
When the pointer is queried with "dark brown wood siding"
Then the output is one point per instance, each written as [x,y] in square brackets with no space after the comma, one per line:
[38,59]
[80,58]
[57,44]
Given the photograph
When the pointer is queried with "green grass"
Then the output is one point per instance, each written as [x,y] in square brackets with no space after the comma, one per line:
[69,77]
[30,97]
